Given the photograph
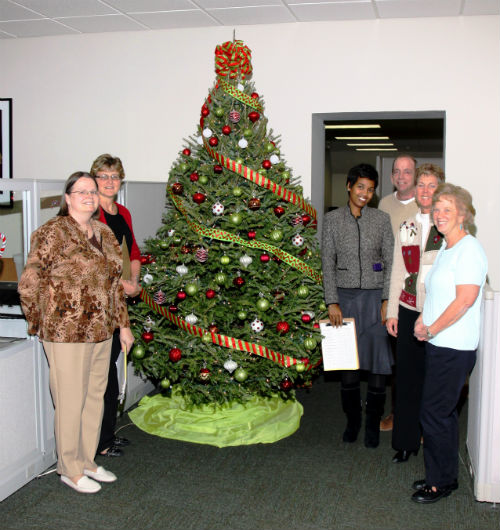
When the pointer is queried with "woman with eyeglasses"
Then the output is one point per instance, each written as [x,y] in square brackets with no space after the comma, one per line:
[73,300]
[109,174]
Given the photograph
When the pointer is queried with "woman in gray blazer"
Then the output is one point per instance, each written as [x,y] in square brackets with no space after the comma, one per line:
[357,248]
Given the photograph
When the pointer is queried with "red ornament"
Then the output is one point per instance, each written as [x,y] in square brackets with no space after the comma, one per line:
[234,116]
[282,327]
[254,203]
[254,95]
[286,384]
[217,169]
[144,260]
[177,188]
[253,116]
[305,360]
[210,294]
[172,308]
[303,251]
[175,355]
[316,325]
[194,177]
[239,281]
[181,295]
[306,219]
[199,197]
[186,152]
[306,318]
[252,234]
[279,211]
[204,111]
[204,374]
[267,164]
[213,141]
[264,258]
[185,249]
[213,328]
[201,255]
[148,336]
[226,130]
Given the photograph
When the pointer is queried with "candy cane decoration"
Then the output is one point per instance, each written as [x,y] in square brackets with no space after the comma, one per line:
[3,240]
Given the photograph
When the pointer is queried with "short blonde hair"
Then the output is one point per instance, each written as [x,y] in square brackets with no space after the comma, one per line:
[430,169]
[107,161]
[462,199]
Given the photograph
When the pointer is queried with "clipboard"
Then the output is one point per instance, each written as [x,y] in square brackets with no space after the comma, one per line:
[339,345]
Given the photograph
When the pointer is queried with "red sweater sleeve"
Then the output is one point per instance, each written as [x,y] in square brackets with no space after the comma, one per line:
[135,253]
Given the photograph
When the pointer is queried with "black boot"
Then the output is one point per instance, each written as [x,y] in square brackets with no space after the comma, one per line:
[351,405]
[375,401]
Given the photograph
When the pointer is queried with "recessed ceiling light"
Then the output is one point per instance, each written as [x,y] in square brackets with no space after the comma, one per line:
[370,145]
[376,149]
[354,126]
[365,138]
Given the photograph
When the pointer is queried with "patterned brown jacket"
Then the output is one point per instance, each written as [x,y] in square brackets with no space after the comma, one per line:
[70,291]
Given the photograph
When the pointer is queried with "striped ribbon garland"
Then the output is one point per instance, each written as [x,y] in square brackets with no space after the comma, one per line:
[222,340]
[222,235]
[239,95]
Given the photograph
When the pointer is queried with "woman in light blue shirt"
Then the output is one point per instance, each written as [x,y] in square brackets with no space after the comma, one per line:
[450,323]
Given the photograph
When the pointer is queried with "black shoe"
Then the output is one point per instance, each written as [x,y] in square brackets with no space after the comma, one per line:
[402,456]
[427,495]
[121,442]
[419,485]
[112,452]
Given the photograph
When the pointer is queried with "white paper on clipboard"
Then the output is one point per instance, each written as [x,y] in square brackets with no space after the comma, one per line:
[339,345]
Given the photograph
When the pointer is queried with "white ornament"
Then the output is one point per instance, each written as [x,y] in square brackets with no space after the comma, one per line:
[310,313]
[181,270]
[171,232]
[245,260]
[230,365]
[243,143]
[147,278]
[274,159]
[207,133]
[257,325]
[199,139]
[218,208]
[241,87]
[191,318]
[297,240]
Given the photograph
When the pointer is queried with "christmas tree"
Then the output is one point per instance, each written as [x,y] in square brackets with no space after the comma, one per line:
[232,281]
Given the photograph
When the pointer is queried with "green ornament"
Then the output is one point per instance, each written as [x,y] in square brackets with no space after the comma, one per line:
[248,133]
[177,239]
[220,278]
[219,112]
[207,338]
[276,235]
[165,383]
[191,289]
[240,374]
[183,167]
[236,218]
[285,174]
[322,306]
[300,367]
[242,315]
[262,304]
[237,191]
[164,244]
[263,171]
[309,343]
[303,291]
[225,260]
[139,351]
[203,179]
[270,147]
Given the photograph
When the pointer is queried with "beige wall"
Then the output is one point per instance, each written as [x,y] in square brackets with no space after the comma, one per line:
[139,94]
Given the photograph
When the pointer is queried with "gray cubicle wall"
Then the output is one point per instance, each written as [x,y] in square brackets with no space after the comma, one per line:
[147,203]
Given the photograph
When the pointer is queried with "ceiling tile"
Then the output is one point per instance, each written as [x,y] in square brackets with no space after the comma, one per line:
[35,28]
[149,6]
[219,4]
[417,8]
[308,12]
[102,23]
[252,15]
[10,11]
[175,19]
[481,7]
[4,35]
[65,8]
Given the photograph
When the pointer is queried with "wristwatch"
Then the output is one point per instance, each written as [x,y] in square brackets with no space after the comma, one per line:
[429,334]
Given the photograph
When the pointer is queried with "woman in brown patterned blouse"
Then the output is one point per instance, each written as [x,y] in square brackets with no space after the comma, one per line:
[73,300]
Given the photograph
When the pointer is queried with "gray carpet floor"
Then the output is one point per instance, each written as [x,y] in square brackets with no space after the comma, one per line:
[308,481]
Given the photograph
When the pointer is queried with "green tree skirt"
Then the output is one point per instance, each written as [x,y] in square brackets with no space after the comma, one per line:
[259,420]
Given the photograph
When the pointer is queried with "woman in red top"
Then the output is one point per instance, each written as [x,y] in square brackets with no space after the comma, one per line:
[109,174]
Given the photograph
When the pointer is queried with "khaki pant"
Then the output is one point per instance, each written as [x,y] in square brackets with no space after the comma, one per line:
[78,379]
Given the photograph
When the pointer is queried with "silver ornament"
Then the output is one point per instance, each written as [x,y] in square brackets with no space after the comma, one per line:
[147,278]
[181,270]
[191,318]
[230,365]
[207,133]
[274,159]
[245,260]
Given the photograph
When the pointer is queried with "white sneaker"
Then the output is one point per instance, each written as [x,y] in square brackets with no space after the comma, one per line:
[84,485]
[100,474]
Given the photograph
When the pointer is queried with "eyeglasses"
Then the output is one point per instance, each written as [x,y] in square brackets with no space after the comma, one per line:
[84,193]
[107,177]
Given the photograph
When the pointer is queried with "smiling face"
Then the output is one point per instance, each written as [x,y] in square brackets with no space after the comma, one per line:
[426,186]
[403,178]
[360,194]
[82,199]
[446,216]
[108,186]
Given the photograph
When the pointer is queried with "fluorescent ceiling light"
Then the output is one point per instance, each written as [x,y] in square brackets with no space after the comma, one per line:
[354,126]
[376,149]
[365,138]
[371,145]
